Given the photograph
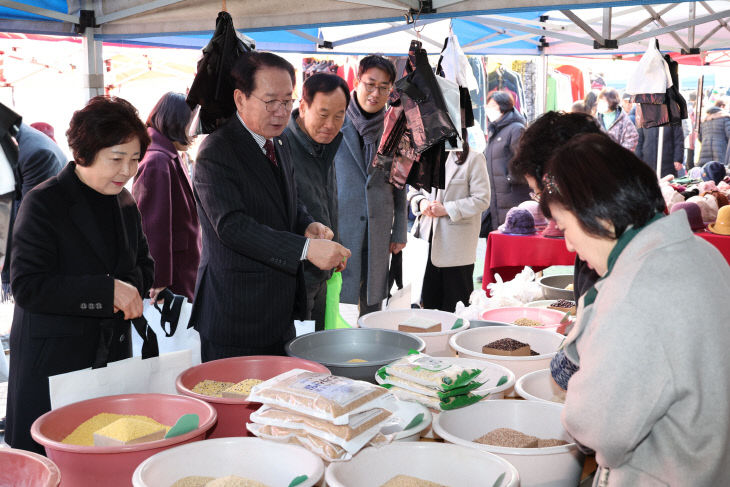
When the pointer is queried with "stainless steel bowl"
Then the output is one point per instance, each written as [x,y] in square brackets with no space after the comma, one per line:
[553,287]
[334,348]
[481,323]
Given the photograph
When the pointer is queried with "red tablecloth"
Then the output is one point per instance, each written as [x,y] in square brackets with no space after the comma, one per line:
[509,254]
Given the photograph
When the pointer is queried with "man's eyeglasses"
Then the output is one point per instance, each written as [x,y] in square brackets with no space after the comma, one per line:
[370,87]
[274,105]
[535,196]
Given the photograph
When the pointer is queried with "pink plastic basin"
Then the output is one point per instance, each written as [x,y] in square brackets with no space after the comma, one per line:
[233,413]
[550,318]
[113,466]
[20,468]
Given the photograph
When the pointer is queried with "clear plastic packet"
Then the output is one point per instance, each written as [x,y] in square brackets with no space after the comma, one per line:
[322,396]
[328,451]
[434,403]
[420,389]
[432,372]
[367,424]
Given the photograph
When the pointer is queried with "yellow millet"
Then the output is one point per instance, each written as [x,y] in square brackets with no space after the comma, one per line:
[127,429]
[244,387]
[83,435]
[213,388]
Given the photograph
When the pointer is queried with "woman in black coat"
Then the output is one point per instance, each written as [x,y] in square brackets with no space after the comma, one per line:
[80,263]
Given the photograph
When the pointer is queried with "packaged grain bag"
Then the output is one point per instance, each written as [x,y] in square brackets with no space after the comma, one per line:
[322,396]
[434,373]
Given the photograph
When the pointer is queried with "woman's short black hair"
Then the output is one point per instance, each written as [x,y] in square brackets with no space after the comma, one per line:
[171,116]
[324,83]
[248,63]
[104,122]
[599,181]
[543,137]
[376,61]
[503,99]
[612,97]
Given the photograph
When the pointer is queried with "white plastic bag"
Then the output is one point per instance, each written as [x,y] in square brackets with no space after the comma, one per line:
[174,335]
[519,291]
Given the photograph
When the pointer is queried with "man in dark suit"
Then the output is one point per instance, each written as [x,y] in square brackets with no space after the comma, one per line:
[255,232]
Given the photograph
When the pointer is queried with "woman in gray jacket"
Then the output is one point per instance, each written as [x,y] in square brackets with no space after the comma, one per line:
[652,393]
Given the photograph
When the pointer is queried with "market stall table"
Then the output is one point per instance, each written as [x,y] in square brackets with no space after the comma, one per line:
[721,242]
[509,254]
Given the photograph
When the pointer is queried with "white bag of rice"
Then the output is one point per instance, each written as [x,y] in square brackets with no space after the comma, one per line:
[322,396]
[326,450]
[430,402]
[440,375]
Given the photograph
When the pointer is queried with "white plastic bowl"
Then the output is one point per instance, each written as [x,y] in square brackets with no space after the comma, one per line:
[557,466]
[437,343]
[266,461]
[469,344]
[539,386]
[451,465]
[542,303]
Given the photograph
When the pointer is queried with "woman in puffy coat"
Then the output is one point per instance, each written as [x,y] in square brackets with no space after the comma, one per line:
[615,121]
[714,134]
[504,131]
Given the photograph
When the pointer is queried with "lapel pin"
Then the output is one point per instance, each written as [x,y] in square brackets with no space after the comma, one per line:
[279,141]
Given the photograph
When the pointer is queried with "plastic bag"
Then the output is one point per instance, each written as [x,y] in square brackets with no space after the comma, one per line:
[323,396]
[521,290]
[431,372]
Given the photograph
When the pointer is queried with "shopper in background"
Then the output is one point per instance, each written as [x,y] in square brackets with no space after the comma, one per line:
[714,135]
[313,134]
[503,134]
[614,120]
[165,199]
[80,263]
[372,212]
[450,220]
[672,148]
[644,391]
[590,103]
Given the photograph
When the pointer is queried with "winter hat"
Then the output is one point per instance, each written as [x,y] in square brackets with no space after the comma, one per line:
[707,186]
[671,197]
[693,212]
[708,215]
[690,193]
[723,186]
[722,224]
[722,199]
[713,171]
[534,208]
[518,222]
[695,173]
[45,128]
[552,231]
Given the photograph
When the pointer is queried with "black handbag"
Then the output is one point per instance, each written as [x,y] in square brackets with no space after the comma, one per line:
[423,103]
[213,86]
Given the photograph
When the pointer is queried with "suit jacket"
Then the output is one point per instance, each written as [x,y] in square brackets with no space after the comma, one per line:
[169,217]
[250,285]
[368,207]
[466,196]
[64,292]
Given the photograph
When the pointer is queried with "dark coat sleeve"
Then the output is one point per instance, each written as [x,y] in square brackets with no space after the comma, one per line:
[142,274]
[37,167]
[640,144]
[152,190]
[678,135]
[216,188]
[36,285]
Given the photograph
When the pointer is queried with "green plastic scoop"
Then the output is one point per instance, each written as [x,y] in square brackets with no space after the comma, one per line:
[186,424]
[298,480]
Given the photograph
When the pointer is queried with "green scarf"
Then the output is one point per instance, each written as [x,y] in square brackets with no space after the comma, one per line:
[623,241]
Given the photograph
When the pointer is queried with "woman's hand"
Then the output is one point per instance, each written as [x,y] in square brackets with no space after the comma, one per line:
[127,300]
[154,292]
[437,209]
[423,206]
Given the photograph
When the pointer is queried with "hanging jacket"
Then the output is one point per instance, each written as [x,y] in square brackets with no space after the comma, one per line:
[714,134]
[504,135]
[213,85]
[622,130]
[672,148]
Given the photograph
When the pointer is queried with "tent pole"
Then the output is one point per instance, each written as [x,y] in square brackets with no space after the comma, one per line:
[541,95]
[94,61]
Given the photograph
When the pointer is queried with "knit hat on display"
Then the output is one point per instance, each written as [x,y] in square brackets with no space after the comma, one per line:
[690,193]
[713,171]
[534,208]
[552,231]
[722,199]
[707,186]
[722,223]
[708,212]
[695,173]
[518,222]
[693,212]
[671,197]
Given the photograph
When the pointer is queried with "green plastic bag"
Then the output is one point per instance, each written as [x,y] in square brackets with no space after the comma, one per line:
[332,317]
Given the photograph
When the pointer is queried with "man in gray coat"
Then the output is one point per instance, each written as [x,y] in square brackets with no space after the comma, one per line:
[372,212]
[313,134]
